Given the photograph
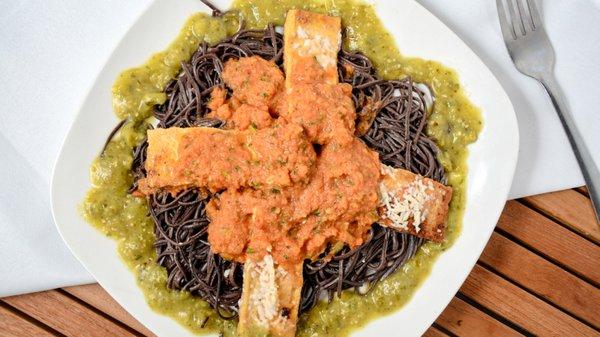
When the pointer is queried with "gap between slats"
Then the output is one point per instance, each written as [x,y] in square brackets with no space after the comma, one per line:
[520,307]
[95,296]
[434,331]
[101,312]
[583,190]
[67,316]
[16,323]
[569,208]
[542,278]
[550,240]
[465,320]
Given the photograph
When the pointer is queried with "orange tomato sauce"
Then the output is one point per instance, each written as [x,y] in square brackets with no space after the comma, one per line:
[213,159]
[336,204]
[257,97]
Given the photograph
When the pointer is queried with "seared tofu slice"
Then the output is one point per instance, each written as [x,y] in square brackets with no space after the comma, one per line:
[271,294]
[180,158]
[413,204]
[270,299]
[315,98]
[313,36]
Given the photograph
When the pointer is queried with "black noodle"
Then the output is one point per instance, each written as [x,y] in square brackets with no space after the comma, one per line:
[395,113]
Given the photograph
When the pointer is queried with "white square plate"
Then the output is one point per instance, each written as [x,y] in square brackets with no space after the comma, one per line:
[491,161]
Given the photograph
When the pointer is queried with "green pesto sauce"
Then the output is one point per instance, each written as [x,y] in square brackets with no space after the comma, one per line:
[454,123]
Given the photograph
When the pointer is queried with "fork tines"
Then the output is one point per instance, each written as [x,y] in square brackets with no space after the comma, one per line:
[521,18]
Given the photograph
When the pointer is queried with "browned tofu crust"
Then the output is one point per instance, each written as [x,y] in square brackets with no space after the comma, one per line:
[435,206]
[181,158]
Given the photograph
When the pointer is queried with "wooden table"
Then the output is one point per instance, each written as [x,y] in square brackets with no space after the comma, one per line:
[538,275]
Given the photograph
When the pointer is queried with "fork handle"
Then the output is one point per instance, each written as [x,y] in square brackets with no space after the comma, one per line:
[584,158]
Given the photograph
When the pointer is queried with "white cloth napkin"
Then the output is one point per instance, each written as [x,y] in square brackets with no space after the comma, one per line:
[51,51]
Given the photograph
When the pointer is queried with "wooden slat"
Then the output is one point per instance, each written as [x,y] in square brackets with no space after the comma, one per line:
[12,324]
[434,332]
[551,239]
[571,208]
[96,296]
[65,315]
[543,278]
[464,320]
[519,306]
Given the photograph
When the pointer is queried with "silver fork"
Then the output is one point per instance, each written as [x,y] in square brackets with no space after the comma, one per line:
[531,52]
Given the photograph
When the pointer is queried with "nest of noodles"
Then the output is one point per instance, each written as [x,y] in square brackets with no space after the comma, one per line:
[391,117]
